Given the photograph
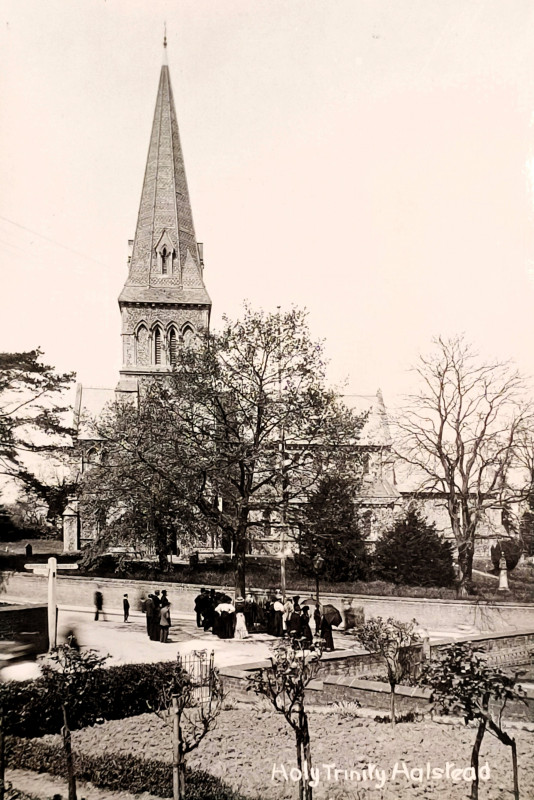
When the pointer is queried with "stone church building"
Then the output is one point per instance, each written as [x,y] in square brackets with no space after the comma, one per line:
[164,303]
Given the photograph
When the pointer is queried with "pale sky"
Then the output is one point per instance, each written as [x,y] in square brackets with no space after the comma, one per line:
[367,160]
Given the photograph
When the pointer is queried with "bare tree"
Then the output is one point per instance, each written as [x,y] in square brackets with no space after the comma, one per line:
[459,436]
[190,704]
[293,666]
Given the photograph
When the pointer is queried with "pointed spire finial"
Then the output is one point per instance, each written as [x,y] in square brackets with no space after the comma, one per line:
[165,44]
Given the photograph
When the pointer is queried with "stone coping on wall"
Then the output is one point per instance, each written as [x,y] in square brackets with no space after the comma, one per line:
[381,687]
[292,592]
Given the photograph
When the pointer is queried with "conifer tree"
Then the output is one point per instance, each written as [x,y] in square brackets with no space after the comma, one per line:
[412,552]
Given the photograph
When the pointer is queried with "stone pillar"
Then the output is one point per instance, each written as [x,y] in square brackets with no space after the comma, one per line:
[71,527]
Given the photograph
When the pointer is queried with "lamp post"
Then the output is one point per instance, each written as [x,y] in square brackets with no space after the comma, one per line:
[318,562]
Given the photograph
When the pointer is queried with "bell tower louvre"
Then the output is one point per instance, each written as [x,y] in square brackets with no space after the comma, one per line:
[164,302]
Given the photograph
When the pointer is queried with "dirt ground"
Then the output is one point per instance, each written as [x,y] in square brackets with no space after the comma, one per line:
[252,749]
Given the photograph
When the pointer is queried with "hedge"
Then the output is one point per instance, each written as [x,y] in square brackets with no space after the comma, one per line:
[116,772]
[33,708]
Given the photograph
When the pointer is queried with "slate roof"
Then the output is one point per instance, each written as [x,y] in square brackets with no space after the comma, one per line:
[88,405]
[376,429]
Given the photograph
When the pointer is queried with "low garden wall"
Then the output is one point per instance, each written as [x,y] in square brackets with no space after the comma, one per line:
[433,614]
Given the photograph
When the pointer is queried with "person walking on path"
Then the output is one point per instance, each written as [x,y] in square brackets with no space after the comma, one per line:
[126,607]
[155,632]
[326,634]
[200,607]
[317,619]
[150,610]
[241,631]
[305,630]
[164,622]
[99,604]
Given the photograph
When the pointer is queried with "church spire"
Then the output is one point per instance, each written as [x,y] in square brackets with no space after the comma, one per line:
[164,301]
[165,259]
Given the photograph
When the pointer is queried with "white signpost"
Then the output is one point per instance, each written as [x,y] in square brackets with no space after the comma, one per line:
[52,603]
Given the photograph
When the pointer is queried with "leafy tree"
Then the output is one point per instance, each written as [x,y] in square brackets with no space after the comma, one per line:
[284,684]
[71,677]
[459,436]
[526,524]
[30,411]
[128,501]
[463,683]
[54,493]
[394,641]
[243,424]
[7,527]
[330,529]
[413,553]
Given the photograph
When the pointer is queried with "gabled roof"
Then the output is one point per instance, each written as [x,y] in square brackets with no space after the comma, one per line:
[165,216]
[376,431]
[89,404]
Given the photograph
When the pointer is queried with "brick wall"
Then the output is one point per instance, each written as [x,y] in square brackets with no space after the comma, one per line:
[433,614]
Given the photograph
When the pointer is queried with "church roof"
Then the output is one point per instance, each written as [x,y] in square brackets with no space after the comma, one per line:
[165,218]
[375,431]
[88,406]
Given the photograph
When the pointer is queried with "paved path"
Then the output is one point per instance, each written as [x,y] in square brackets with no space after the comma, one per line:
[128,643]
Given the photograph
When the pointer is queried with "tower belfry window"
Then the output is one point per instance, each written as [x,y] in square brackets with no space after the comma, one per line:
[157,346]
[173,344]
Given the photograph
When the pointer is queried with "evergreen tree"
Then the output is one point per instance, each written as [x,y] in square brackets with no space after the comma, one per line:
[330,529]
[7,528]
[414,553]
[526,526]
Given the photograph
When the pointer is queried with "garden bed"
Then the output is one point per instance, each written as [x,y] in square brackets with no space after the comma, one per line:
[249,740]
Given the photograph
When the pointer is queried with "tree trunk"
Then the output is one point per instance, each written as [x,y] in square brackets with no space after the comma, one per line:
[474,757]
[2,755]
[240,553]
[299,765]
[71,778]
[465,563]
[516,774]
[392,705]
[178,756]
[307,753]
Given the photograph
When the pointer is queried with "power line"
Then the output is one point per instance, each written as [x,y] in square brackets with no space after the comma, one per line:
[53,241]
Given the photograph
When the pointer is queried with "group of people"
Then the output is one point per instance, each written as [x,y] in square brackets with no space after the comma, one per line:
[216,612]
[290,618]
[157,609]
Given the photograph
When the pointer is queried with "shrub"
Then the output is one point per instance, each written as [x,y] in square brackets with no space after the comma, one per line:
[115,772]
[33,708]
[414,553]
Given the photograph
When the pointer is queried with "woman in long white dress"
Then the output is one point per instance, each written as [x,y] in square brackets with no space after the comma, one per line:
[241,631]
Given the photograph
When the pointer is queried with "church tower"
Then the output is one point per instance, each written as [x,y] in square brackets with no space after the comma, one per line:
[164,302]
